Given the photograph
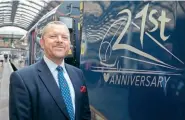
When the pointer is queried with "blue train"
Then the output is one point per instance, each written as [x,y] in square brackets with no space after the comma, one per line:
[133,58]
[132,54]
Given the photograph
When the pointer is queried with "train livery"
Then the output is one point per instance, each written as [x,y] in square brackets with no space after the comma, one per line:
[134,59]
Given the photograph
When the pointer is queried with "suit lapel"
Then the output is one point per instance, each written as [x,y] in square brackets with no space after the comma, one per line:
[76,84]
[48,80]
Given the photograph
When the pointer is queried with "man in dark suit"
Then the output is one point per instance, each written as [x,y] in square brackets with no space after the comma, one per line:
[50,89]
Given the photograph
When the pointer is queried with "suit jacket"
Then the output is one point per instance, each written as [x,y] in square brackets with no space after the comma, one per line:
[34,94]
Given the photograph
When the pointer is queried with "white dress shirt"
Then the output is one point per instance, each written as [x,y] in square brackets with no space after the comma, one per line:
[52,67]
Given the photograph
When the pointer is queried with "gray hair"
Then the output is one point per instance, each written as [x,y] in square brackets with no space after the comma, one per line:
[53,23]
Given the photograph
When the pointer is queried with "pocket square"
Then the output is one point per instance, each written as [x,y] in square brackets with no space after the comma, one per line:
[83,89]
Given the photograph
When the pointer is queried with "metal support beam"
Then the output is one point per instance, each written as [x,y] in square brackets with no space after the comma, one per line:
[5,10]
[24,20]
[11,24]
[39,16]
[14,9]
[30,6]
[23,16]
[10,11]
[28,10]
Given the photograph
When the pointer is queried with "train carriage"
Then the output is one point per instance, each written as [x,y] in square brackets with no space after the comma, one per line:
[134,59]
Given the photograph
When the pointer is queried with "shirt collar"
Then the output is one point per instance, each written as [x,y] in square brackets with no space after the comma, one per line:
[52,66]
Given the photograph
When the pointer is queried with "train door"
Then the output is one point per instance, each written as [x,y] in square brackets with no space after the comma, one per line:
[69,13]
[73,56]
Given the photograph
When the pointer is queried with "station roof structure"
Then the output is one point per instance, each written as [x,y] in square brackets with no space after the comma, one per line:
[24,13]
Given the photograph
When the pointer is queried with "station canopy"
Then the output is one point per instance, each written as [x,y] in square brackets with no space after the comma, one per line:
[24,13]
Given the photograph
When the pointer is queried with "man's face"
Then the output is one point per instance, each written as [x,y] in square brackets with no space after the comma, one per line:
[56,42]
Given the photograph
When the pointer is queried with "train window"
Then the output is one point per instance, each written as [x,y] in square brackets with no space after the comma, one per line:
[68,21]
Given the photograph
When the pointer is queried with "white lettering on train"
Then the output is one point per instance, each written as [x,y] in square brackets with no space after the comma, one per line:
[139,80]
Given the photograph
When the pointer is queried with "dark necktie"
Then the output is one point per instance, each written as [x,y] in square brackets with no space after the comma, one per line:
[64,88]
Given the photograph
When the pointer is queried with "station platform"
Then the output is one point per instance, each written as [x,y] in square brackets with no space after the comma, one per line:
[5,72]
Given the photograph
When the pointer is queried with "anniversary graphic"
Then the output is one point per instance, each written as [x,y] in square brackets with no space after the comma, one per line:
[134,53]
